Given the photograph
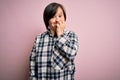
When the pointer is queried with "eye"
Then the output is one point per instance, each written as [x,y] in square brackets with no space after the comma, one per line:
[60,15]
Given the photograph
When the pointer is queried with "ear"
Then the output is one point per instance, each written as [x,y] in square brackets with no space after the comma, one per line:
[48,27]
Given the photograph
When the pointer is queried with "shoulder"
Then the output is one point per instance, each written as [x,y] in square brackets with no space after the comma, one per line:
[41,36]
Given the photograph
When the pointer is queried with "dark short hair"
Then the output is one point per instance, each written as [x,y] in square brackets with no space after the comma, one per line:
[50,11]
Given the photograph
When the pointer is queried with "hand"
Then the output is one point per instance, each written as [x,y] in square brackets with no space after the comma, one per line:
[60,26]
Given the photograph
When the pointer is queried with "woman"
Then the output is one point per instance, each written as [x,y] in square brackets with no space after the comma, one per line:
[53,53]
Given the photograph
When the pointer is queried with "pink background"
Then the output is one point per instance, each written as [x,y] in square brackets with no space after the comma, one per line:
[96,22]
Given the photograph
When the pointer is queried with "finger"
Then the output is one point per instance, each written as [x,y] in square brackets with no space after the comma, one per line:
[58,24]
[61,22]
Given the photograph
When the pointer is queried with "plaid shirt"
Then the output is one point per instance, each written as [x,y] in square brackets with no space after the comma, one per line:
[53,58]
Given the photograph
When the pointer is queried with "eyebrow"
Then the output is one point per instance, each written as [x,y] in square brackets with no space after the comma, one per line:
[61,12]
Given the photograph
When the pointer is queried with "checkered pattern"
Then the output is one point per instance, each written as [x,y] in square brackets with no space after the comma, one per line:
[53,58]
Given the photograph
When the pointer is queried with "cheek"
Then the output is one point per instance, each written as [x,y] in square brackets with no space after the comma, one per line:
[51,22]
[63,19]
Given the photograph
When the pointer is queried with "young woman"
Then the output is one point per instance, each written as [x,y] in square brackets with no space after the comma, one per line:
[53,53]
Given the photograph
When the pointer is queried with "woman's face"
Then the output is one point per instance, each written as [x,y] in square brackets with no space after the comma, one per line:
[58,18]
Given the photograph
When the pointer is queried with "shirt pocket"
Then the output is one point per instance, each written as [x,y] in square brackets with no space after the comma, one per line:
[58,61]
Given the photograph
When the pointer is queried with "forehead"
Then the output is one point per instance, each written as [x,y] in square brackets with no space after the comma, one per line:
[59,10]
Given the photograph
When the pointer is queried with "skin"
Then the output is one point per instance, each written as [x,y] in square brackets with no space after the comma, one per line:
[57,23]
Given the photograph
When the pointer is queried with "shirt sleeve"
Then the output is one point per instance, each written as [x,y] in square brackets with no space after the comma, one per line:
[67,45]
[32,65]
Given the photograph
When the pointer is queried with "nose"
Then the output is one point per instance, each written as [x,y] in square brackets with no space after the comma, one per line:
[57,19]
